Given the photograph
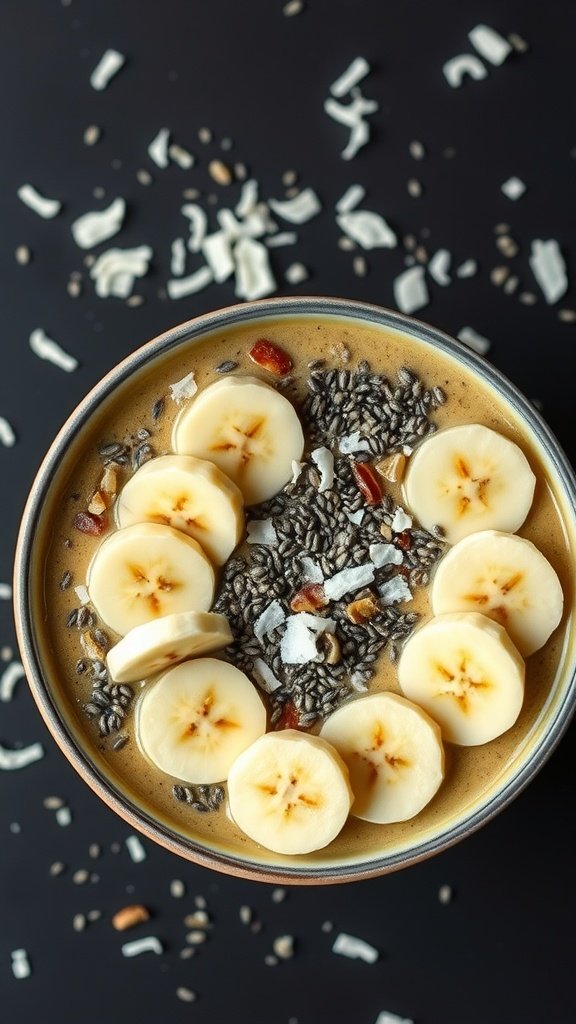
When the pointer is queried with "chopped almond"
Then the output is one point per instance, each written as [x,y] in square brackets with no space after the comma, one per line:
[92,649]
[109,481]
[97,504]
[129,916]
[368,483]
[393,467]
[363,609]
[309,598]
[270,357]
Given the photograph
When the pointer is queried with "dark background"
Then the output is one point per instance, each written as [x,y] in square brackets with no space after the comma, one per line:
[502,950]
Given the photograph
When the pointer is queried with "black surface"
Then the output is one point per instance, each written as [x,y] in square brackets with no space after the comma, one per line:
[502,951]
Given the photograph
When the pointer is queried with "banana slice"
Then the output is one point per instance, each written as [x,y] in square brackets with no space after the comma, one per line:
[145,571]
[469,478]
[394,754]
[196,720]
[290,792]
[464,670]
[506,578]
[188,494]
[248,429]
[154,646]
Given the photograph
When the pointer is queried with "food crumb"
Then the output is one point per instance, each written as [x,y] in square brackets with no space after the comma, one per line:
[293,7]
[445,894]
[246,914]
[283,947]
[186,995]
[64,816]
[23,255]
[92,135]
[79,922]
[135,849]
[414,188]
[278,895]
[270,960]
[20,964]
[177,888]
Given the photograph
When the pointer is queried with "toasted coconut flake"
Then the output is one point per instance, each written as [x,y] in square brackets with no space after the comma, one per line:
[158,148]
[354,74]
[348,580]
[116,270]
[7,435]
[82,594]
[369,229]
[356,949]
[5,591]
[439,266]
[324,459]
[549,269]
[109,65]
[181,157]
[218,254]
[45,348]
[265,676]
[395,591]
[178,257]
[385,1017]
[271,618]
[477,342]
[356,517]
[467,269]
[149,944]
[40,204]
[401,520]
[93,228]
[301,208]
[490,44]
[180,287]
[183,389]
[261,531]
[353,443]
[410,291]
[254,277]
[298,645]
[10,677]
[296,273]
[351,198]
[20,964]
[385,554]
[135,849]
[282,238]
[311,570]
[248,199]
[198,225]
[513,188]
[457,68]
[11,760]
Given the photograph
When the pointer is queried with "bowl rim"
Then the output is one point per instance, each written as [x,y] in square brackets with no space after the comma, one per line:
[188,331]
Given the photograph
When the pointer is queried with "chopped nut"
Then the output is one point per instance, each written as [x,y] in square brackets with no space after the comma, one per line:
[270,357]
[199,919]
[393,467]
[309,598]
[331,646]
[362,610]
[92,649]
[97,504]
[283,947]
[340,351]
[109,481]
[129,916]
[368,483]
[386,531]
[220,172]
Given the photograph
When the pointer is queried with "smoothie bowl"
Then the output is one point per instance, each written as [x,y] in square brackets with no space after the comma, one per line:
[294,594]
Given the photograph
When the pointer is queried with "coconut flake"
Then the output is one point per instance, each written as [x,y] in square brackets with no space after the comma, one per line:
[254,277]
[296,273]
[439,265]
[261,531]
[158,148]
[11,760]
[265,676]
[401,520]
[467,269]
[301,208]
[5,591]
[109,65]
[297,468]
[181,157]
[272,617]
[282,238]
[7,435]
[298,645]
[93,228]
[348,580]
[317,623]
[465,64]
[183,389]
[395,591]
[180,287]
[356,949]
[385,1017]
[20,964]
[358,682]
[10,677]
[116,270]
[356,517]
[311,570]
[149,944]
[82,594]
[258,223]
[45,348]
[324,460]
[198,225]
[351,198]
[41,205]
[477,342]
[135,849]
[218,254]
[248,198]
[549,269]
[385,554]
[178,257]
[410,291]
[352,116]
[369,229]
[490,44]
[357,70]
[64,816]
[513,188]
[353,443]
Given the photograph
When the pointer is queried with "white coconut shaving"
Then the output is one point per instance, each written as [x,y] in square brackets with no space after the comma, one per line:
[369,229]
[248,199]
[324,460]
[401,520]
[352,116]
[385,554]
[311,570]
[477,342]
[439,266]
[198,225]
[467,269]
[395,591]
[513,188]
[158,148]
[9,679]
[410,291]
[356,517]
[7,435]
[12,760]
[352,197]
[490,44]
[230,224]
[265,676]
[296,468]
[298,644]
[549,269]
[353,443]
[317,623]
[5,591]
[296,273]
[261,531]
[135,849]
[178,257]
[385,1017]
[82,594]
[258,222]
[181,157]
[456,69]
[20,964]
[348,580]
[354,74]
[282,238]
[254,278]
[116,270]
[183,389]
[298,210]
[109,65]
[356,949]
[217,252]
[180,287]
[93,228]
[358,682]
[46,348]
[40,204]
[271,618]
[149,944]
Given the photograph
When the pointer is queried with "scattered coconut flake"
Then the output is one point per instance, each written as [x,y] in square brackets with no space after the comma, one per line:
[20,964]
[93,228]
[272,617]
[180,287]
[158,148]
[183,389]
[395,591]
[439,266]
[352,116]
[64,816]
[296,273]
[248,198]
[465,64]
[149,944]
[324,460]
[401,520]
[385,554]
[297,468]
[477,342]
[261,531]
[218,253]
[7,435]
[108,66]
[116,269]
[356,517]
[258,223]
[181,157]
[5,591]
[549,269]
[311,570]
[13,759]
[301,208]
[10,676]
[282,238]
[178,257]
[513,188]
[45,348]
[348,580]
[467,269]
[82,594]
[490,44]
[356,949]
[254,277]
[135,849]
[230,225]
[198,225]
[351,198]
[317,623]
[353,443]
[410,291]
[369,229]
[357,70]
[298,645]
[44,207]
[385,1017]
[265,676]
